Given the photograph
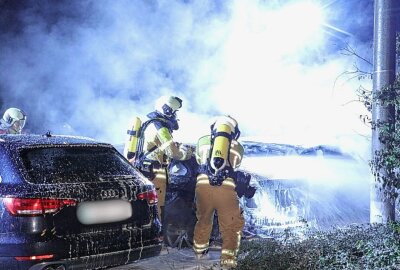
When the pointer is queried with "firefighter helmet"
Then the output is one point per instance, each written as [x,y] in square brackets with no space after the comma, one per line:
[14,116]
[168,105]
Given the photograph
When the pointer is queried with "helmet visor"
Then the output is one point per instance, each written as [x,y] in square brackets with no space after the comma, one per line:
[18,125]
[22,123]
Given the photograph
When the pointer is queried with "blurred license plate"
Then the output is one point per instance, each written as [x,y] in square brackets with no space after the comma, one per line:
[103,211]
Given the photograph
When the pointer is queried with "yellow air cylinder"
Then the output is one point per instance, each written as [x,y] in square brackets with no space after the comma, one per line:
[203,149]
[132,139]
[219,154]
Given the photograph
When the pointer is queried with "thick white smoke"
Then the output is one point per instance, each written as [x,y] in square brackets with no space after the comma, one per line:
[88,67]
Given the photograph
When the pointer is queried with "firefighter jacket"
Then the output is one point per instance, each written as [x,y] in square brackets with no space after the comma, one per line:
[159,148]
[159,141]
[7,130]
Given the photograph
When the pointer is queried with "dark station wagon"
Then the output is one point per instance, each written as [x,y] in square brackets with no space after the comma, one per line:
[72,203]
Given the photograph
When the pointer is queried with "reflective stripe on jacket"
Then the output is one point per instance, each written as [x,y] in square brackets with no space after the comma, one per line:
[159,136]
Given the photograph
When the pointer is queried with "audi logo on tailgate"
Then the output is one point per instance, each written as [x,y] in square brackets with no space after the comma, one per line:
[109,193]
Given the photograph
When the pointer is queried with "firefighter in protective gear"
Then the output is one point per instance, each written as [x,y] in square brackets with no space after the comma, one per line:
[159,147]
[13,121]
[219,155]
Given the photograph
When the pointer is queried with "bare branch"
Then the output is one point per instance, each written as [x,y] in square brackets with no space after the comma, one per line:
[351,101]
[349,79]
[350,51]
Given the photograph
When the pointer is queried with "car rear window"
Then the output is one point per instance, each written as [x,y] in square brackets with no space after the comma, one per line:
[74,164]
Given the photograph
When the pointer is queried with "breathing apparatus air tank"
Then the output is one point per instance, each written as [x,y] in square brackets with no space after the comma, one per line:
[132,139]
[220,150]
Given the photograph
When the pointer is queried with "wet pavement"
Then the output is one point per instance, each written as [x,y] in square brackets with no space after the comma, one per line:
[175,259]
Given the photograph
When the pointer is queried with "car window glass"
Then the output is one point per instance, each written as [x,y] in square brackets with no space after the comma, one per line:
[73,164]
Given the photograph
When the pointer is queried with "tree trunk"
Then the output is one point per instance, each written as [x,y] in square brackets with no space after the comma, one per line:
[382,209]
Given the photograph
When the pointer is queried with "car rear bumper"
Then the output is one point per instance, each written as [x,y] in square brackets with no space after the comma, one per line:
[97,261]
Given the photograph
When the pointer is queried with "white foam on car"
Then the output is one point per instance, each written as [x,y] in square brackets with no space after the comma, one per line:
[103,211]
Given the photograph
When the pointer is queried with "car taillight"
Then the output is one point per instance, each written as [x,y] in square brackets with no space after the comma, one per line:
[150,196]
[35,258]
[33,207]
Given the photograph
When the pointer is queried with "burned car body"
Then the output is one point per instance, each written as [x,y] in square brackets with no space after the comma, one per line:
[72,203]
[306,187]
[297,187]
[180,216]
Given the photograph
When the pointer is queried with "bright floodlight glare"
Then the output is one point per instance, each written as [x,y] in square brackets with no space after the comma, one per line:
[261,53]
[300,23]
[306,15]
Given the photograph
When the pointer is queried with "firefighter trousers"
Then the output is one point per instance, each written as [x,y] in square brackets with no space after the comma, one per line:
[160,182]
[225,201]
